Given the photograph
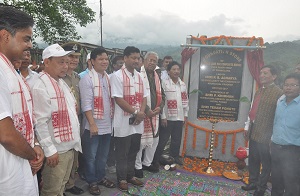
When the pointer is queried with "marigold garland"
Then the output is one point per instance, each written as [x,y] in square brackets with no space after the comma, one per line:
[185,136]
[216,140]
[199,165]
[207,134]
[194,138]
[224,143]
[204,40]
[233,143]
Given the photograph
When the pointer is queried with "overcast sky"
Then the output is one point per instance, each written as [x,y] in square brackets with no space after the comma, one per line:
[169,22]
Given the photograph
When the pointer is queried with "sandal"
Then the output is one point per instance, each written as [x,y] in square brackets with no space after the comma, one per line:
[94,189]
[107,183]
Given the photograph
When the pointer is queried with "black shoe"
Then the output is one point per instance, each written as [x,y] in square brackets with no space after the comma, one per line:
[139,173]
[259,192]
[75,190]
[249,187]
[155,164]
[151,168]
[178,160]
[166,160]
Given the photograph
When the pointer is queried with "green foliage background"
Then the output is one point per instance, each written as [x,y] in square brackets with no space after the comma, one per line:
[57,19]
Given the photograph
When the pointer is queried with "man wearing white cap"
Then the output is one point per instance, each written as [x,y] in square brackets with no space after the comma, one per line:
[57,125]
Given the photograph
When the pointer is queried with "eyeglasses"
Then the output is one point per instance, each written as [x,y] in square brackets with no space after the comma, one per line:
[290,85]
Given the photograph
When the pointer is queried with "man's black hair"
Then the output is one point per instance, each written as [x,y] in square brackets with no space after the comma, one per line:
[295,76]
[130,49]
[97,51]
[273,69]
[167,57]
[170,65]
[117,58]
[13,19]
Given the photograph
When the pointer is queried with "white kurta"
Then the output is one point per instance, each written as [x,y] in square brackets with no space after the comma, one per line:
[147,139]
[15,172]
[43,111]
[31,78]
[121,122]
[169,86]
[164,75]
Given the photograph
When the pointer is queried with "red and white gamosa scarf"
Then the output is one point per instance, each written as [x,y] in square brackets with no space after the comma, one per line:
[133,90]
[21,101]
[171,96]
[98,96]
[61,123]
[151,124]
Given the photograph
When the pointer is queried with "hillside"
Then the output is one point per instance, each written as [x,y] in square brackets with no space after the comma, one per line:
[282,54]
[174,51]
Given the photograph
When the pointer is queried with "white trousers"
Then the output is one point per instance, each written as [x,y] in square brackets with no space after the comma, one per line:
[148,154]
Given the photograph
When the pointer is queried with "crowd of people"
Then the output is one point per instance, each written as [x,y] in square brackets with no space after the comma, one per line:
[57,121]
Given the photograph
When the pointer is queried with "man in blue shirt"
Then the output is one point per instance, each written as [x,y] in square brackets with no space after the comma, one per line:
[88,66]
[97,106]
[285,146]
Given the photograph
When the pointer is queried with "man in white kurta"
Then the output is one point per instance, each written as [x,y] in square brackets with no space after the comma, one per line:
[155,104]
[15,174]
[29,75]
[165,63]
[121,125]
[130,96]
[18,153]
[175,112]
[57,124]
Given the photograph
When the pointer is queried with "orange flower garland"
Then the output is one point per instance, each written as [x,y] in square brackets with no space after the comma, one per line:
[198,165]
[207,134]
[233,143]
[224,143]
[185,136]
[204,40]
[216,140]
[194,138]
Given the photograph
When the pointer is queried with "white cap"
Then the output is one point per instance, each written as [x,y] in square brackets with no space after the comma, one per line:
[156,68]
[55,50]
[88,57]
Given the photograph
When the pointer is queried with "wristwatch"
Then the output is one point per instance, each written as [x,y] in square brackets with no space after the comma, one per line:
[36,144]
[135,113]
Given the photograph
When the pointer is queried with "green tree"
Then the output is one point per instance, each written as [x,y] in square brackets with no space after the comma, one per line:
[56,19]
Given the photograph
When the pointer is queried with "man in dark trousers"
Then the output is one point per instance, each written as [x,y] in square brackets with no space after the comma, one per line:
[130,94]
[259,128]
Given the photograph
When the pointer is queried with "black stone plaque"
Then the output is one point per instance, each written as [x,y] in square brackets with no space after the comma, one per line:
[220,83]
